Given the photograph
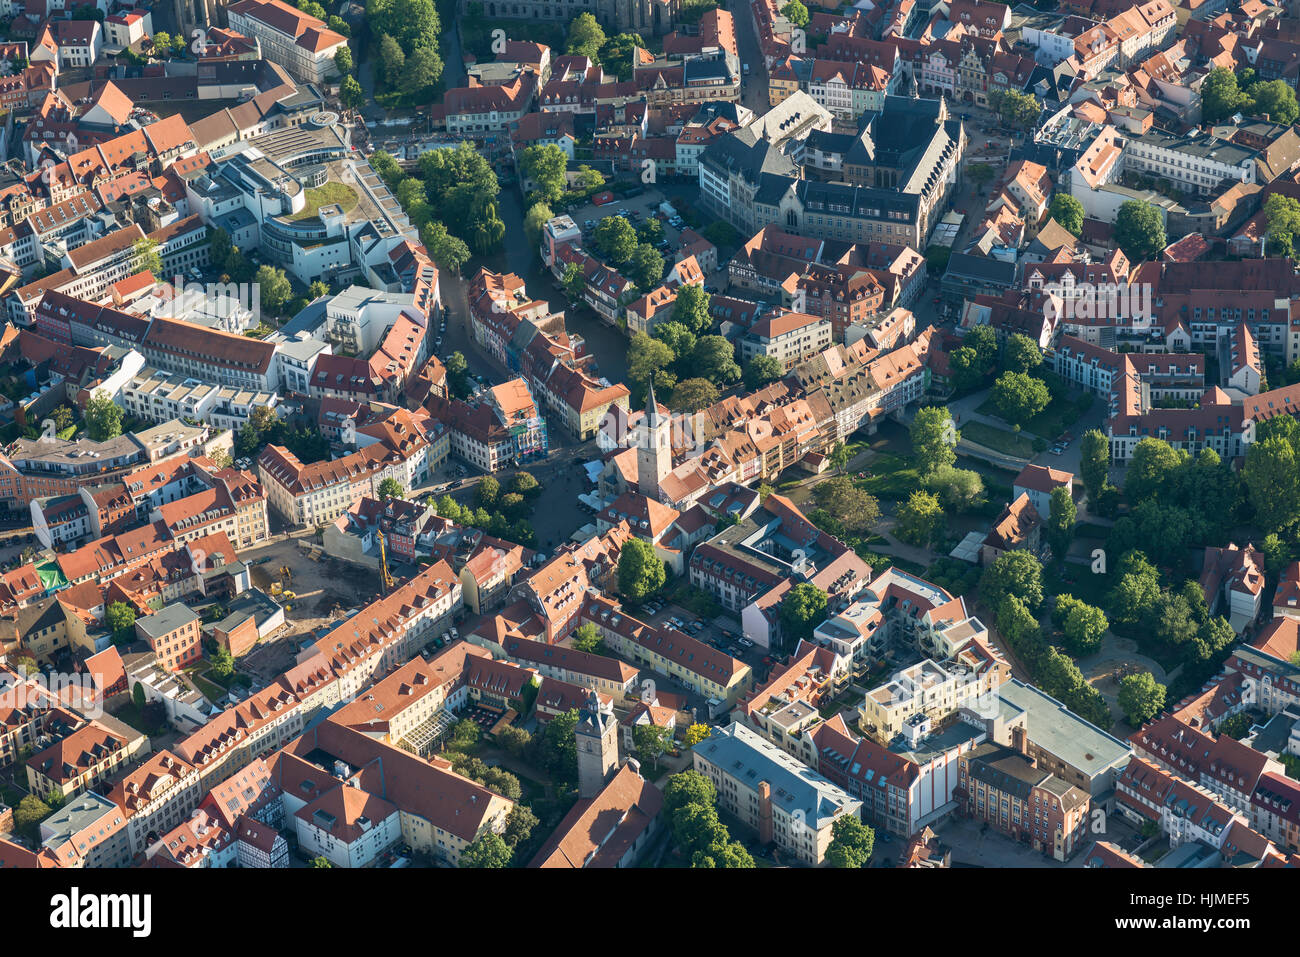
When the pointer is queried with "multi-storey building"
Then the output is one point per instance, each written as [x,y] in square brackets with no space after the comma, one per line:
[781,798]
[300,43]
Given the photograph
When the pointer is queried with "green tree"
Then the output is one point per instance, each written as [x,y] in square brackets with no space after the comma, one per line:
[586,637]
[458,376]
[120,619]
[1019,110]
[1016,572]
[646,268]
[760,371]
[1277,554]
[392,60]
[641,572]
[934,438]
[343,61]
[585,37]
[1021,353]
[220,247]
[538,215]
[351,94]
[544,164]
[677,337]
[1068,212]
[146,257]
[1276,99]
[1272,479]
[1019,397]
[849,507]
[796,13]
[1152,464]
[839,457]
[556,747]
[574,283]
[651,231]
[1062,517]
[273,287]
[802,610]
[28,815]
[984,340]
[222,662]
[1141,698]
[391,488]
[486,230]
[957,489]
[423,70]
[1283,216]
[488,492]
[489,849]
[650,741]
[1220,96]
[520,823]
[1094,463]
[692,395]
[1084,628]
[645,358]
[967,373]
[691,309]
[686,788]
[103,417]
[851,843]
[714,358]
[525,484]
[617,52]
[919,519]
[1139,230]
[614,238]
[1137,588]
[448,251]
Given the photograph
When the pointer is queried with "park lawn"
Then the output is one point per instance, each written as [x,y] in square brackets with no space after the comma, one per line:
[212,692]
[890,476]
[337,193]
[999,440]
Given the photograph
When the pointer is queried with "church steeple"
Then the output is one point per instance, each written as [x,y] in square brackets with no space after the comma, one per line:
[654,456]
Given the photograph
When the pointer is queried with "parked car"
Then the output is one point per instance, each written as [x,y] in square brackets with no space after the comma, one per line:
[746,643]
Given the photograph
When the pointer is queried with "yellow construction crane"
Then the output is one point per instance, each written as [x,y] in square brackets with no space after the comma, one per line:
[385,574]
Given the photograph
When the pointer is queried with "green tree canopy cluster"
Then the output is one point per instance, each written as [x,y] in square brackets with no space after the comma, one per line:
[690,804]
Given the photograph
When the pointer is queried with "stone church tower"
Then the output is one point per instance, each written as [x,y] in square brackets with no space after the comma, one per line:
[596,736]
[654,453]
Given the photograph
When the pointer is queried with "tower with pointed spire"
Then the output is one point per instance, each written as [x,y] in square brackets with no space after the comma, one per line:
[654,454]
[596,739]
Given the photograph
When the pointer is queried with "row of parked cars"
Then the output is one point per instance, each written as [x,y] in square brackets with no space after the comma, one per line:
[449,637]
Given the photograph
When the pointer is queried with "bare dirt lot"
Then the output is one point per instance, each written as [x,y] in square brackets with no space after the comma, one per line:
[322,592]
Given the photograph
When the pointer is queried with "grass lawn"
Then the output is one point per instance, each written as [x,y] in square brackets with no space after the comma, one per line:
[891,477]
[212,692]
[337,193]
[1000,440]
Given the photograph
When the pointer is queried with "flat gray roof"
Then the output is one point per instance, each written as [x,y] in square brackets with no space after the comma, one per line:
[170,618]
[1055,728]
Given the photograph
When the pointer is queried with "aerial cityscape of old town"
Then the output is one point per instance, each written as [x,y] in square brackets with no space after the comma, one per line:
[649,434]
